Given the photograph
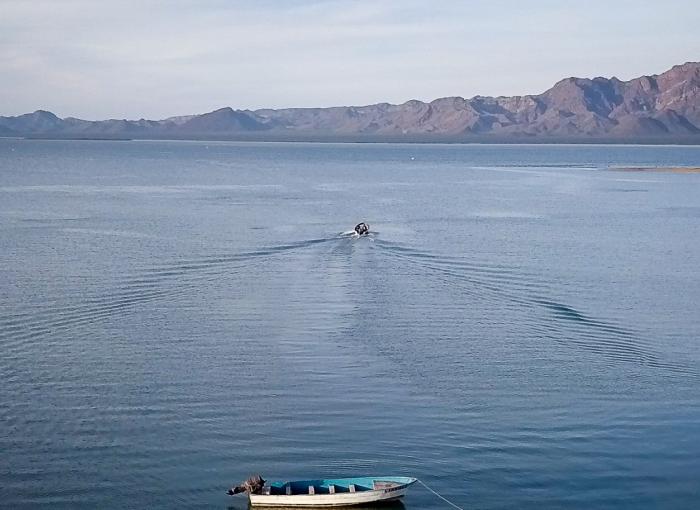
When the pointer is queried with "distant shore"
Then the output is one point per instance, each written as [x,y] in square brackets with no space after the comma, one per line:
[378,139]
[661,169]
[385,139]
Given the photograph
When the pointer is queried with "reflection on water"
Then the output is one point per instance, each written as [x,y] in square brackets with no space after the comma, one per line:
[387,505]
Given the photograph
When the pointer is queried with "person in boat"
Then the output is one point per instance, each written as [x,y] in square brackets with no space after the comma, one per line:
[362,229]
[252,485]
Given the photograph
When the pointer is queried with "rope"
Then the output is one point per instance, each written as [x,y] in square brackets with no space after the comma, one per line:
[439,496]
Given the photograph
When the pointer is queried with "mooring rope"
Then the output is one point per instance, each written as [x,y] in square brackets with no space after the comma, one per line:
[439,496]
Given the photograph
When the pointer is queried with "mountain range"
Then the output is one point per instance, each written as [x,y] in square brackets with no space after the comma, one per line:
[663,108]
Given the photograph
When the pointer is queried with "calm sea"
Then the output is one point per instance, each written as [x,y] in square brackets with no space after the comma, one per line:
[522,329]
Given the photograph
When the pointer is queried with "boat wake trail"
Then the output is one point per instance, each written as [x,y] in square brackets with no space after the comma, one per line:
[165,283]
[567,325]
[520,294]
[485,281]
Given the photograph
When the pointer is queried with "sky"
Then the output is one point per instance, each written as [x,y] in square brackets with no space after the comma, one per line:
[154,59]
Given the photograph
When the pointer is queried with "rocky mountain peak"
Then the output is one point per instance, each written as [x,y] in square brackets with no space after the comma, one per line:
[663,105]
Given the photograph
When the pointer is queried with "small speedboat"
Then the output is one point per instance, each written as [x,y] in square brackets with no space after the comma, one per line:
[362,229]
[331,492]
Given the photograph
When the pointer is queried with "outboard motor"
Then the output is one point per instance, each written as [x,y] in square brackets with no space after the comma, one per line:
[252,485]
[362,229]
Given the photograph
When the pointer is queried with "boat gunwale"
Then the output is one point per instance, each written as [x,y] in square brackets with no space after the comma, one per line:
[343,498]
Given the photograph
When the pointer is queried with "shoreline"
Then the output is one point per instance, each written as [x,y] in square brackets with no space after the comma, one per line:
[386,140]
[659,169]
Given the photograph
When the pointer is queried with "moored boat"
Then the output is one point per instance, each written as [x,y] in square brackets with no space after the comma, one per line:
[332,492]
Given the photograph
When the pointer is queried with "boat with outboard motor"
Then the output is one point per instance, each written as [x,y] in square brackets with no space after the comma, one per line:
[330,492]
[362,229]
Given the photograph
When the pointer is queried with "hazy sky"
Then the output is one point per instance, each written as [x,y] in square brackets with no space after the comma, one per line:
[114,59]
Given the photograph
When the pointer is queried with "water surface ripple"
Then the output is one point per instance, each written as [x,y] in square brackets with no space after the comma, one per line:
[519,331]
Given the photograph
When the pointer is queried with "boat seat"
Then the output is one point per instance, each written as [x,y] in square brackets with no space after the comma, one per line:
[352,487]
[331,489]
[312,490]
[289,490]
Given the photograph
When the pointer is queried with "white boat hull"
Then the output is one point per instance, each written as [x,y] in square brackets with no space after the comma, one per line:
[327,500]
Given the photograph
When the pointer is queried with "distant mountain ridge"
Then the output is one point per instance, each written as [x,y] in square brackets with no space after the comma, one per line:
[664,107]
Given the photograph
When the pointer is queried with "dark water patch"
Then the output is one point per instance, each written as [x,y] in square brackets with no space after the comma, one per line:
[51,221]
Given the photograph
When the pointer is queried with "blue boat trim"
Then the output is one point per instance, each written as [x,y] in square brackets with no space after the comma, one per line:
[342,485]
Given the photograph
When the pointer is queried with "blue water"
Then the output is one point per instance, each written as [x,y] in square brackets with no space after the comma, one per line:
[520,331]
